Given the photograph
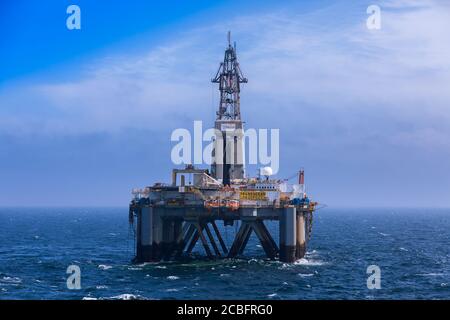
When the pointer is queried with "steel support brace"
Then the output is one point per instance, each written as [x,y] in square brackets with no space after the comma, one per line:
[271,252]
[211,239]
[238,240]
[203,239]
[222,243]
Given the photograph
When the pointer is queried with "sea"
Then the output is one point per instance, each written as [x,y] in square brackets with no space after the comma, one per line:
[409,247]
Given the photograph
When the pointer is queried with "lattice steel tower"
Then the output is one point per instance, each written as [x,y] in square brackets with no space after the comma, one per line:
[229,164]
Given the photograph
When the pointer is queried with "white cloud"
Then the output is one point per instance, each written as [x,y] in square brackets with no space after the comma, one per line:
[347,74]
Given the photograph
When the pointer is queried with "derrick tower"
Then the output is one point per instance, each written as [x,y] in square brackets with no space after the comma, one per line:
[228,152]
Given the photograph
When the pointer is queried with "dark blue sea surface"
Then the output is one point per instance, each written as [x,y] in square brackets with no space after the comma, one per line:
[411,246]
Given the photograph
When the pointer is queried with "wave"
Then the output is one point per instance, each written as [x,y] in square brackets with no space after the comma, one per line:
[172,278]
[101,287]
[304,275]
[134,268]
[104,267]
[127,296]
[10,280]
[431,274]
[308,262]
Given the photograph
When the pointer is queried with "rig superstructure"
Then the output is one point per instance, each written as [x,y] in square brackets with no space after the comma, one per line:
[169,219]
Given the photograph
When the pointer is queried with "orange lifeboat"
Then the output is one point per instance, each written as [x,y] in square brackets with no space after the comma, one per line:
[209,204]
[233,205]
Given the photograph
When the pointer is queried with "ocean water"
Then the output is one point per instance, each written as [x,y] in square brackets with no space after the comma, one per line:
[411,247]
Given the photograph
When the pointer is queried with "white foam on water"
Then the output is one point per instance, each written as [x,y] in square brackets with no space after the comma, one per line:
[134,268]
[304,275]
[431,274]
[89,298]
[308,262]
[104,267]
[383,234]
[225,275]
[146,264]
[161,267]
[285,266]
[10,280]
[403,249]
[101,287]
[272,295]
[172,278]
[172,290]
[127,296]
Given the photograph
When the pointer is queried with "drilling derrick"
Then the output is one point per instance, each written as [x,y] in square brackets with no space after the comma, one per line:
[228,153]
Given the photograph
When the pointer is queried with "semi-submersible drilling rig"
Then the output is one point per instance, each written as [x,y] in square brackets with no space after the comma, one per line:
[169,219]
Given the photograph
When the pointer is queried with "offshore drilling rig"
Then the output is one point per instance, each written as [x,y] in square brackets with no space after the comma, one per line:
[169,219]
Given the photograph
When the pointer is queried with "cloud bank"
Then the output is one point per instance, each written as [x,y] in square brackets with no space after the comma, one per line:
[335,89]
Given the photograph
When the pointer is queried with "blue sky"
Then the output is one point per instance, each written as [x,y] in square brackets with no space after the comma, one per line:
[86,115]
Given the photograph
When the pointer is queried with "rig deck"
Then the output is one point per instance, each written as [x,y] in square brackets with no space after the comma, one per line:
[171,219]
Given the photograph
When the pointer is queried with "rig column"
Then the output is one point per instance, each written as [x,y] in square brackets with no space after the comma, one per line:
[144,242]
[288,236]
[178,235]
[157,230]
[301,236]
[168,240]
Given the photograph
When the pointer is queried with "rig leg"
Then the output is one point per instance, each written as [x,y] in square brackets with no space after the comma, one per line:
[157,236]
[180,230]
[168,244]
[288,235]
[144,252]
[301,236]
